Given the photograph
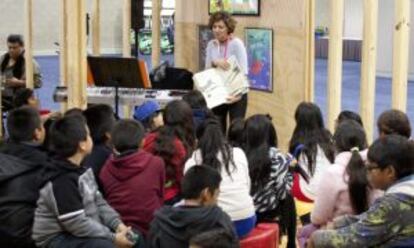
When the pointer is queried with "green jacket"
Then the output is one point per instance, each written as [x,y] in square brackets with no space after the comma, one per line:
[389,221]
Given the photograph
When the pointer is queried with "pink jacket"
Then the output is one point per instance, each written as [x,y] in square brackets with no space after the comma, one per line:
[332,197]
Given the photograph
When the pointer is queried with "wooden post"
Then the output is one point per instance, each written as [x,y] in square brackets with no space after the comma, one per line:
[76,57]
[96,28]
[126,29]
[401,54]
[368,66]
[310,51]
[335,61]
[63,48]
[156,32]
[126,41]
[28,54]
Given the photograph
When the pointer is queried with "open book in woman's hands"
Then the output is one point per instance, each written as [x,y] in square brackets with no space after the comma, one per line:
[217,85]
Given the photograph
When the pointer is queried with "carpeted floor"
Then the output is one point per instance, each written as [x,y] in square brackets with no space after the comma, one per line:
[350,89]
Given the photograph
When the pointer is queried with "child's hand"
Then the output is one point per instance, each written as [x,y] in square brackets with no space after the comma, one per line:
[121,240]
[121,227]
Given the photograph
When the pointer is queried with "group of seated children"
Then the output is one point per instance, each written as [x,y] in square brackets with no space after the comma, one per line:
[172,178]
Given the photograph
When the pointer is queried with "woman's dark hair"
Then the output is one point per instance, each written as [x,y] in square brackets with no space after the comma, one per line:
[211,142]
[260,135]
[22,96]
[349,115]
[393,150]
[394,122]
[310,132]
[235,134]
[178,123]
[224,16]
[350,136]
[20,62]
[195,99]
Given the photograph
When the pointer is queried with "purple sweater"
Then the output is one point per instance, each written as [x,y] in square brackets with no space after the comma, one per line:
[332,198]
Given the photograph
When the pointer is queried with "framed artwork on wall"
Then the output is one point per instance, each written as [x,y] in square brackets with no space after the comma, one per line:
[204,36]
[235,7]
[259,45]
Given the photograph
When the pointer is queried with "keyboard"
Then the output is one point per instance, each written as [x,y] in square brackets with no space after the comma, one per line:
[127,96]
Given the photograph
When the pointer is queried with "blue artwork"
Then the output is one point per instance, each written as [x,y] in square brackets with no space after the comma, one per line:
[259,44]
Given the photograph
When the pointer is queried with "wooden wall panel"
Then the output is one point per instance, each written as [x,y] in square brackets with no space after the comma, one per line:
[289,24]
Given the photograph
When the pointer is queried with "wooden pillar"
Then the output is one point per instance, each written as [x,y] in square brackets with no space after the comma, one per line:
[96,27]
[310,51]
[368,66]
[28,54]
[401,54]
[126,29]
[156,32]
[76,56]
[335,61]
[63,48]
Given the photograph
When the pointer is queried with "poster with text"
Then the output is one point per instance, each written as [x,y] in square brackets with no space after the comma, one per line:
[259,45]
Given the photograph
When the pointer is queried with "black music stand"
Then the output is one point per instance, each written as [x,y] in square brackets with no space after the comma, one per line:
[116,72]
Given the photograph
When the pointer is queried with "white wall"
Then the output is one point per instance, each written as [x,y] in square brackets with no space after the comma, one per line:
[353,27]
[46,24]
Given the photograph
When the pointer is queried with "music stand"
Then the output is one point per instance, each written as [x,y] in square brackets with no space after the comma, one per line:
[116,72]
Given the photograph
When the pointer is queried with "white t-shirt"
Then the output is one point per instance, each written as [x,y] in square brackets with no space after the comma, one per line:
[234,46]
[234,197]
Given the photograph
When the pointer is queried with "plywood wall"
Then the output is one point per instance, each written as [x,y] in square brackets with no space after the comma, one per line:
[287,19]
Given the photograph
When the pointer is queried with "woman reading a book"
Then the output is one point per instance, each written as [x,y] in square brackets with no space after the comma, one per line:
[218,51]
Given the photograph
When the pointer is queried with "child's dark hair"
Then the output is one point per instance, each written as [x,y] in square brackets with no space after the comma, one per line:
[47,144]
[235,135]
[393,150]
[100,119]
[195,99]
[178,123]
[22,96]
[127,135]
[211,142]
[198,178]
[350,136]
[394,122]
[310,132]
[73,111]
[22,123]
[349,115]
[260,135]
[66,134]
[216,238]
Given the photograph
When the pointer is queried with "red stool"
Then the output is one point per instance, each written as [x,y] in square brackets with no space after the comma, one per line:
[265,235]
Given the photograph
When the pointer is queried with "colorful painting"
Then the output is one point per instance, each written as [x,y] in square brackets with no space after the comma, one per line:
[235,7]
[259,45]
[204,36]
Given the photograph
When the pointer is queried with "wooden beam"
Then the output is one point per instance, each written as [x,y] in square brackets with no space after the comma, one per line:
[310,51]
[96,27]
[126,29]
[76,57]
[401,54]
[368,66]
[28,54]
[63,48]
[335,61]
[156,32]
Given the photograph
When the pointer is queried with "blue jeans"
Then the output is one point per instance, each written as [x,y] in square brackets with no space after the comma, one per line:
[245,226]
